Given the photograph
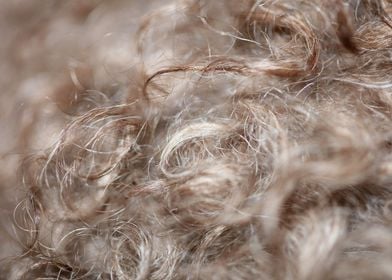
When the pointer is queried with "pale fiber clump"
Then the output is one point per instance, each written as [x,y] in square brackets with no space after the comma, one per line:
[225,140]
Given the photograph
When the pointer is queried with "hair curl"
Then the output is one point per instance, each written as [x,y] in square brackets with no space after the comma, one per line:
[220,140]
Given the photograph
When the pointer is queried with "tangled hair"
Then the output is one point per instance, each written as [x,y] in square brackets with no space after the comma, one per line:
[205,139]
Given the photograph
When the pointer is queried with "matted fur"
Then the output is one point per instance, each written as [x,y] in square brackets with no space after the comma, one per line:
[230,139]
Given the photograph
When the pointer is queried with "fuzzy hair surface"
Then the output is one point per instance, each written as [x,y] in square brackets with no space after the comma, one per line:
[196,139]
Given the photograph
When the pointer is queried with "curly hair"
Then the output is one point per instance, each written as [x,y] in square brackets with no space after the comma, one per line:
[226,139]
